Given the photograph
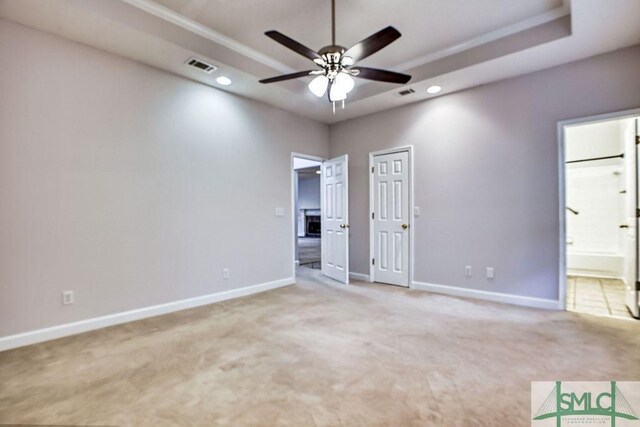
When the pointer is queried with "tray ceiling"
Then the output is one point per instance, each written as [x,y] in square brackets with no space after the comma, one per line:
[456,44]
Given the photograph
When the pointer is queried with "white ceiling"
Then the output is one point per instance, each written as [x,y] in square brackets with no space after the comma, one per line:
[453,43]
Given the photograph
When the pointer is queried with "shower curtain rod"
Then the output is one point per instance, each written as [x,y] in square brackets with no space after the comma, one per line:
[619,156]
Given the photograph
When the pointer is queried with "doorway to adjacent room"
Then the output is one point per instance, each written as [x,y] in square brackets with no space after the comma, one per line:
[600,215]
[320,196]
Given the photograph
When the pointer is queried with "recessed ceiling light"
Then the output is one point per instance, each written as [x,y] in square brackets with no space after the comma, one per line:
[223,80]
[434,89]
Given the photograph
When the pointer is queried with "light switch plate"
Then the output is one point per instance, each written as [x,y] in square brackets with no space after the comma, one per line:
[416,211]
[67,297]
[279,211]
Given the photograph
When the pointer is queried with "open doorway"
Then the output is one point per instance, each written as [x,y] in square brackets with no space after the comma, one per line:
[320,203]
[307,212]
[600,213]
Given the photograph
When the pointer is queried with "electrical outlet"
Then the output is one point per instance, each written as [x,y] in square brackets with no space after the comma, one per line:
[490,273]
[467,271]
[225,273]
[67,297]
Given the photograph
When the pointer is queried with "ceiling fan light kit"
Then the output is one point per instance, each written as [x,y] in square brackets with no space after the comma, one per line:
[337,64]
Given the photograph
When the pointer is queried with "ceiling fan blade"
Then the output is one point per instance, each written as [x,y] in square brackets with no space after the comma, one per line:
[373,43]
[381,75]
[286,77]
[292,44]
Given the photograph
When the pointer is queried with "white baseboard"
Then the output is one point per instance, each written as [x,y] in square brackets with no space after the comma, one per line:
[359,276]
[59,331]
[488,296]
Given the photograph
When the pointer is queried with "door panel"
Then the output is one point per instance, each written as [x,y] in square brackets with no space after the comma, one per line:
[335,224]
[397,251]
[391,218]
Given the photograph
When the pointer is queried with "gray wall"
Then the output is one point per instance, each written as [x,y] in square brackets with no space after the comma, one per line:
[486,163]
[134,187]
[131,186]
[309,192]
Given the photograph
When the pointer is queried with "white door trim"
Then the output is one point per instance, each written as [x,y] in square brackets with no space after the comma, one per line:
[294,214]
[625,114]
[409,150]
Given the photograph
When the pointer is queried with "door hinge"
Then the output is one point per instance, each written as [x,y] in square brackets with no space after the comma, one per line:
[637,213]
[372,168]
[373,215]
[637,139]
[373,261]
[637,286]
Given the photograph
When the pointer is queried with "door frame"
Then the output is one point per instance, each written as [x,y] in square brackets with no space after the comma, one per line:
[624,114]
[409,150]
[294,214]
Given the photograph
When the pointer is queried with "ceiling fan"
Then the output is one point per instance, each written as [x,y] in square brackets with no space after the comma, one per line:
[337,64]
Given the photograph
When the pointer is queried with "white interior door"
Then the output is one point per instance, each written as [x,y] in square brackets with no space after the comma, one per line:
[335,218]
[390,218]
[633,243]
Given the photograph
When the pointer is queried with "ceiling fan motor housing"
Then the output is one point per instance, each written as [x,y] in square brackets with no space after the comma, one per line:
[333,58]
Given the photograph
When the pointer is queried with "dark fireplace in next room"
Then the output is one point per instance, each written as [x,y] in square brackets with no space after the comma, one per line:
[312,222]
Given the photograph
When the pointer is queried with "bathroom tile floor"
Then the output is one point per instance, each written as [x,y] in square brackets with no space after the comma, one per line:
[603,297]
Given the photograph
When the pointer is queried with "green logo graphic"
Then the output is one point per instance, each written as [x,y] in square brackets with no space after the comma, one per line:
[610,404]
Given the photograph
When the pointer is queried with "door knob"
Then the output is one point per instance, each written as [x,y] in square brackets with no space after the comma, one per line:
[344,225]
[405,226]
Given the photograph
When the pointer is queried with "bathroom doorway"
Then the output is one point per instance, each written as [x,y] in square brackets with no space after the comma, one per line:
[600,216]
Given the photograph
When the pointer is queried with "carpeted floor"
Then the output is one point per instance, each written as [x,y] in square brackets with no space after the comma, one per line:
[316,354]
[309,251]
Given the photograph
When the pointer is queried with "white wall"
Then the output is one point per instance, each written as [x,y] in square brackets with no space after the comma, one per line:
[486,168]
[603,192]
[594,140]
[595,193]
[131,186]
[593,188]
[595,241]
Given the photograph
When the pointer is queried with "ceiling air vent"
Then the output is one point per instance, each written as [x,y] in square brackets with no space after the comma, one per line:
[406,92]
[201,65]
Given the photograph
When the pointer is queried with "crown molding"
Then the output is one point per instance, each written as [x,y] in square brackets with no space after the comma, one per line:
[543,18]
[182,21]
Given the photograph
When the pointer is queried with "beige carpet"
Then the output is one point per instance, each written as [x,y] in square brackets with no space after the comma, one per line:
[316,354]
